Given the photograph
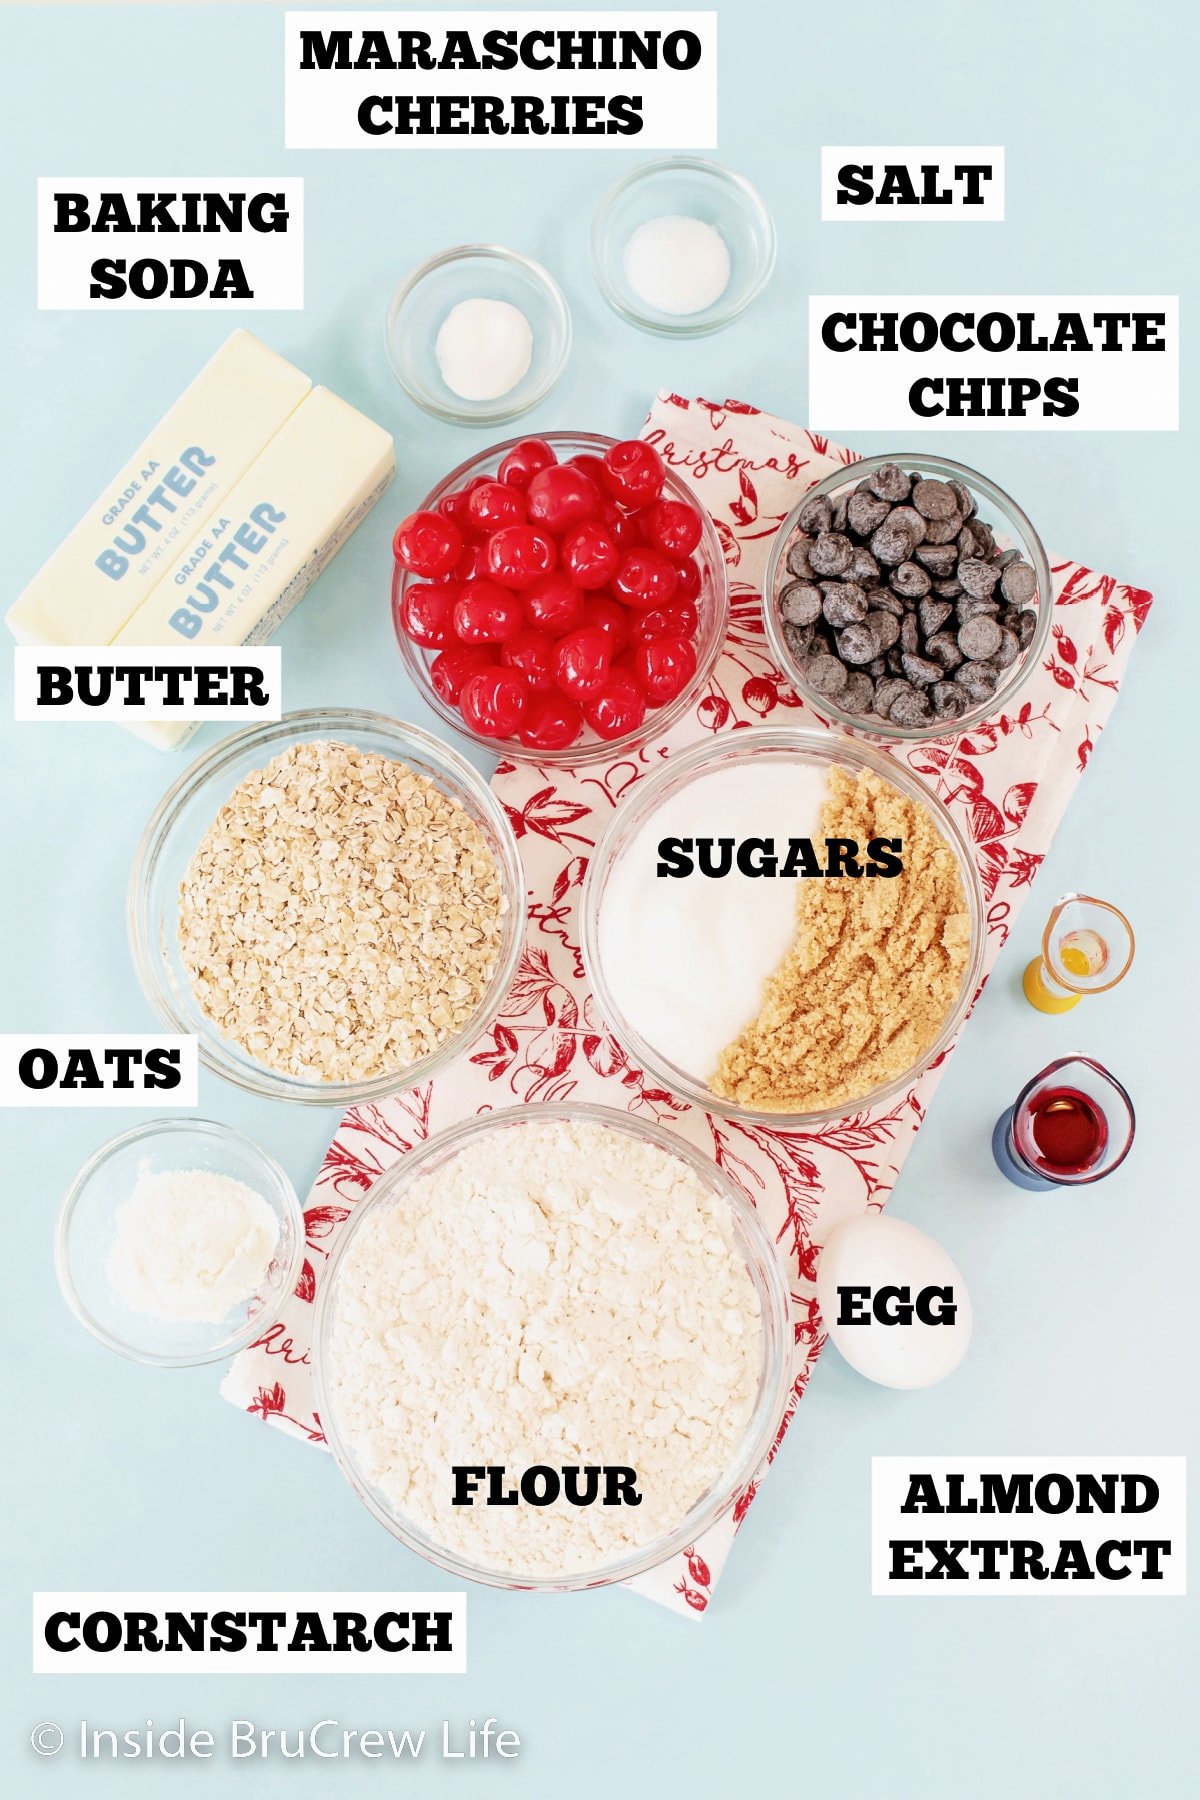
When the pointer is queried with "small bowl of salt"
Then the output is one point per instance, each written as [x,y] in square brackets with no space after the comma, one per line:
[478,334]
[682,246]
[179,1242]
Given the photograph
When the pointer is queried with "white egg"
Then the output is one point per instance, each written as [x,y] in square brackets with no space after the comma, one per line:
[913,1302]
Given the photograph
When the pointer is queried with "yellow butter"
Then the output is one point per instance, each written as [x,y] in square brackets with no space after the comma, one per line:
[103,571]
[271,536]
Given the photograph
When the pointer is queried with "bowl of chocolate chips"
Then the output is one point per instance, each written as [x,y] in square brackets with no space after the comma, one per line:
[907,597]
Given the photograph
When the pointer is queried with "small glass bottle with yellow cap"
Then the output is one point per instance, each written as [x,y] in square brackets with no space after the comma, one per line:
[1087,948]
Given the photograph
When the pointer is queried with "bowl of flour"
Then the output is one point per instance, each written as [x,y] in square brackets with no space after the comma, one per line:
[552,1347]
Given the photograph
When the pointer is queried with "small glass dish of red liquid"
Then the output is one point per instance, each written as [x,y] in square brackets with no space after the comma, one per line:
[1071,1124]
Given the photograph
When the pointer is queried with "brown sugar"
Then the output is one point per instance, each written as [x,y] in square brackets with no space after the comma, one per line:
[874,968]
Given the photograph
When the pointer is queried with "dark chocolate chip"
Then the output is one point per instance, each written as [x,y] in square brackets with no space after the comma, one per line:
[892,544]
[978,577]
[964,496]
[798,639]
[910,518]
[884,600]
[831,553]
[934,499]
[910,709]
[943,531]
[979,638]
[826,675]
[887,690]
[890,482]
[943,647]
[1018,583]
[865,512]
[932,615]
[797,559]
[1009,650]
[857,644]
[977,679]
[911,580]
[921,671]
[858,695]
[939,559]
[845,603]
[967,607]
[1026,628]
[949,700]
[800,603]
[815,514]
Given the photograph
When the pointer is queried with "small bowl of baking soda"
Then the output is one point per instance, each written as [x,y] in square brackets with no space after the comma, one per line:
[682,246]
[179,1242]
[478,334]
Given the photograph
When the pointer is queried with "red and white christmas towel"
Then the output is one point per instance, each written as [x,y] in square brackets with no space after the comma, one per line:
[1008,782]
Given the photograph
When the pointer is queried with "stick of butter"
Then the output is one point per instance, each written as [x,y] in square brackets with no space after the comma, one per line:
[102,572]
[274,532]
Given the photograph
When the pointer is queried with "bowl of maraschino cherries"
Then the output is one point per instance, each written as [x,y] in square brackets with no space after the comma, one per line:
[561,598]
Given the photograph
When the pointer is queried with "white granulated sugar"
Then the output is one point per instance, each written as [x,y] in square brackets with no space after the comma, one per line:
[190,1246]
[558,1293]
[686,959]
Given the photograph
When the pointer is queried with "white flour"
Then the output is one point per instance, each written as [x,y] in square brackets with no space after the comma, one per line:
[190,1245]
[557,1294]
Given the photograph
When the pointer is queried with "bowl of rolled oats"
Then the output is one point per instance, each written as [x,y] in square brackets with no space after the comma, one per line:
[333,904]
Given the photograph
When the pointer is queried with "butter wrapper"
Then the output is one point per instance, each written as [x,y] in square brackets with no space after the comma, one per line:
[271,536]
[107,566]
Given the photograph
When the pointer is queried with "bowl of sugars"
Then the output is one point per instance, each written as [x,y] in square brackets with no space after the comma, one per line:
[179,1242]
[553,1347]
[783,926]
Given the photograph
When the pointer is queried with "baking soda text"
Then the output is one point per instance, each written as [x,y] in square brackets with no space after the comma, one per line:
[101,244]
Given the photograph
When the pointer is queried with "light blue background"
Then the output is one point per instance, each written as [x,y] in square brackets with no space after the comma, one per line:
[122,1478]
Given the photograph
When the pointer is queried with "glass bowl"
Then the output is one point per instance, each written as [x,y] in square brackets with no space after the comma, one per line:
[87,1229]
[475,272]
[804,748]
[691,187]
[712,606]
[1012,531]
[775,1371]
[184,814]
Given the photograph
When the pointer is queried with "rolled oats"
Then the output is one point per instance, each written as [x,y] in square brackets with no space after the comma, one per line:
[342,916]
